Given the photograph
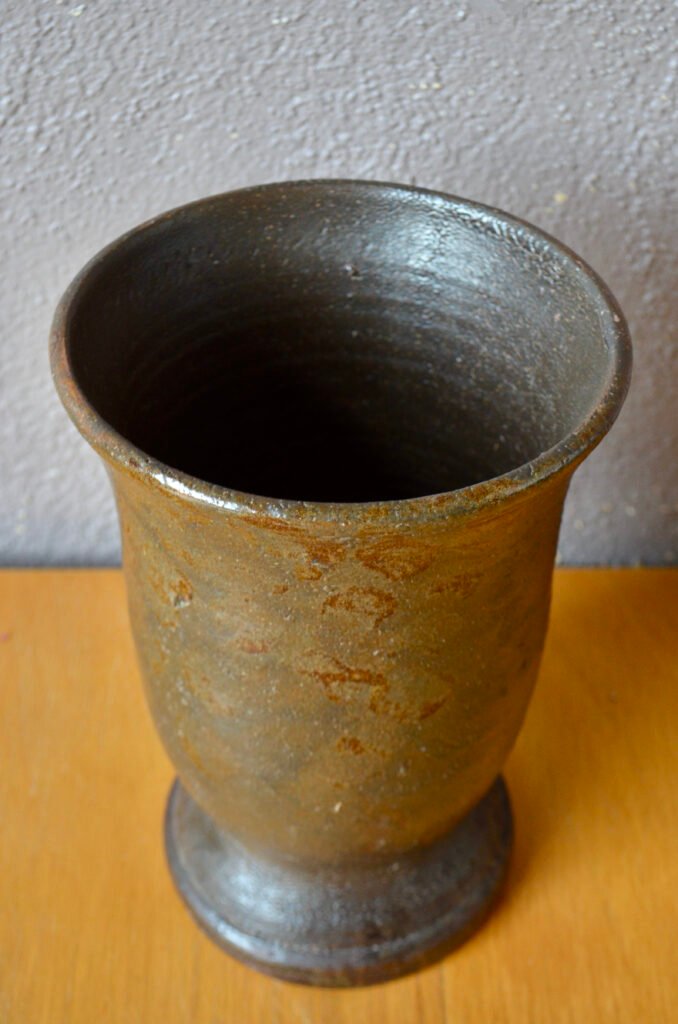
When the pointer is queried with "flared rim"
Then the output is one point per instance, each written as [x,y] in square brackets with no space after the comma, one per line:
[567,452]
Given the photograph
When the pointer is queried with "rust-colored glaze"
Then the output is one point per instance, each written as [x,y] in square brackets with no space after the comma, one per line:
[338,673]
[397,558]
[351,743]
[365,601]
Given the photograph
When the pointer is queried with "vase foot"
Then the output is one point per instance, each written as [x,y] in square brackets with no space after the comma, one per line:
[338,927]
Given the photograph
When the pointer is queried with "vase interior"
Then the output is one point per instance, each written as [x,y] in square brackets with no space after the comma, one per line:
[341,344]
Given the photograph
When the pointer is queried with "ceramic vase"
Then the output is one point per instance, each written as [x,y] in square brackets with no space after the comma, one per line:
[340,419]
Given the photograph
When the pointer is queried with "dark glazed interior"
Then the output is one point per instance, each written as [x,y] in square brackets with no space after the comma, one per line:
[337,342]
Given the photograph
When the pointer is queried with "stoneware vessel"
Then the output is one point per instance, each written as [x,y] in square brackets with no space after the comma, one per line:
[340,419]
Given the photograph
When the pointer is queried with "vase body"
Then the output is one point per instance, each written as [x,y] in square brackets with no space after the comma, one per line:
[340,420]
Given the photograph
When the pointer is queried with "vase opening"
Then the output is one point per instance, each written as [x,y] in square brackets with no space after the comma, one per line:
[323,346]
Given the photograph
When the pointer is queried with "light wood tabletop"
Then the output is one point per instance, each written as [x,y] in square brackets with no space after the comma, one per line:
[91,929]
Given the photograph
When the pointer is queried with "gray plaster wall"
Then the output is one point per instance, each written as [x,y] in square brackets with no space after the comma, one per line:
[561,111]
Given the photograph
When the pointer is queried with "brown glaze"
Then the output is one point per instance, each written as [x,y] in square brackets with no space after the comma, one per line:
[338,681]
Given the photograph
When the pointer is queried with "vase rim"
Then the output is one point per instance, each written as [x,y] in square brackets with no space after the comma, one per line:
[568,452]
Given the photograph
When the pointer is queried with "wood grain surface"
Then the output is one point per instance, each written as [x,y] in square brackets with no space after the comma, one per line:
[92,931]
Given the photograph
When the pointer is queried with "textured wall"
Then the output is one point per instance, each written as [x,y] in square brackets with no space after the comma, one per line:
[561,111]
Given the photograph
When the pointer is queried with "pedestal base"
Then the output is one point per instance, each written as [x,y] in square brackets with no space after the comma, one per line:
[338,927]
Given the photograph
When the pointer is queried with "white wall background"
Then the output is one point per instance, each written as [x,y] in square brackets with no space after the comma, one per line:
[561,111]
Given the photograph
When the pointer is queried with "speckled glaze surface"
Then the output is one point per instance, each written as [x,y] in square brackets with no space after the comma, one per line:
[339,653]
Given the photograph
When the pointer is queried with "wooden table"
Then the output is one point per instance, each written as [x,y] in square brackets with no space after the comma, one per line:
[92,931]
